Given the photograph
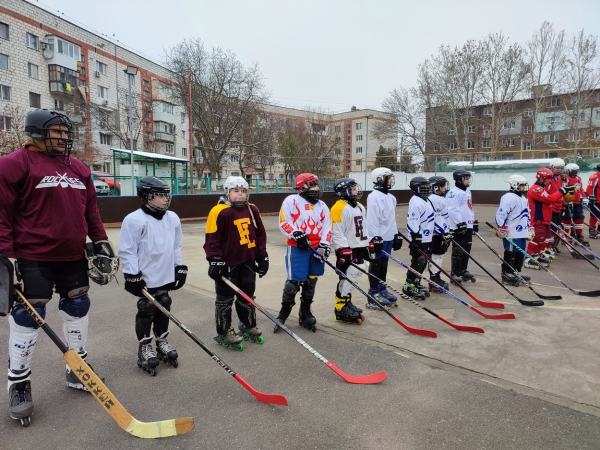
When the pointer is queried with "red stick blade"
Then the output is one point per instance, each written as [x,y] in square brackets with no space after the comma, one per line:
[485,304]
[274,399]
[367,379]
[413,330]
[494,316]
[461,327]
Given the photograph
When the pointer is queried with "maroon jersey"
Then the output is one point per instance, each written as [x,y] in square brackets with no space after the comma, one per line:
[231,234]
[46,208]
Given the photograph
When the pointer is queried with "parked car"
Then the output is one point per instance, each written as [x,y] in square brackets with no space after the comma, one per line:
[101,187]
[108,179]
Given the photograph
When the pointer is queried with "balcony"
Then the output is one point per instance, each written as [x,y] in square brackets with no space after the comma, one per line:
[162,136]
[62,79]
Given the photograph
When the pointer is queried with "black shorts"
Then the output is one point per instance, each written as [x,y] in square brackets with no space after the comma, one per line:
[41,277]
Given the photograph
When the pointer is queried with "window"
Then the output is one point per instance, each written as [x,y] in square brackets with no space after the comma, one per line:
[471,129]
[487,131]
[528,129]
[146,83]
[102,92]
[472,112]
[528,112]
[509,108]
[235,158]
[33,71]
[358,149]
[3,61]
[526,146]
[508,142]
[471,145]
[169,148]
[550,154]
[359,137]
[183,134]
[451,132]
[147,124]
[552,120]
[184,151]
[105,139]
[167,108]
[337,128]
[146,94]
[35,100]
[182,117]
[551,139]
[59,45]
[487,111]
[165,89]
[4,92]
[3,30]
[598,114]
[597,135]
[576,136]
[553,102]
[5,123]
[582,117]
[508,125]
[59,105]
[82,70]
[102,68]
[358,162]
[359,126]
[31,41]
[485,143]
[452,146]
[505,157]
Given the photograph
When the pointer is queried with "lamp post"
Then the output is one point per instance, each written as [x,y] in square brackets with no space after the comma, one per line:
[370,116]
[131,72]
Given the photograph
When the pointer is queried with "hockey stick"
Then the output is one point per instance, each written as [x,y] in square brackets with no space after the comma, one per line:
[96,387]
[447,292]
[521,279]
[527,255]
[414,302]
[493,305]
[591,213]
[575,241]
[570,246]
[374,378]
[488,273]
[410,329]
[275,399]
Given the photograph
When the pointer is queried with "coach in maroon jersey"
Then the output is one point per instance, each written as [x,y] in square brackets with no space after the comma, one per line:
[47,209]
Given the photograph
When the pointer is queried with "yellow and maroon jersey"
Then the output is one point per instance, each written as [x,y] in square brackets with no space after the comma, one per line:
[231,234]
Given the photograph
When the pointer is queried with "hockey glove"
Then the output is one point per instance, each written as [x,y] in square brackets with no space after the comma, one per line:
[377,242]
[180,277]
[324,251]
[398,241]
[216,267]
[344,256]
[417,239]
[134,284]
[502,232]
[103,263]
[461,229]
[476,226]
[17,279]
[262,265]
[531,235]
[302,240]
[446,239]
[585,201]
[592,199]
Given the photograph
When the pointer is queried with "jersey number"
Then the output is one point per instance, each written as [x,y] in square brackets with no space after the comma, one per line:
[358,224]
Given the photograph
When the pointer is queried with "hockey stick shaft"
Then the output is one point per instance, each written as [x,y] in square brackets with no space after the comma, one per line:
[590,211]
[410,329]
[275,399]
[367,379]
[487,272]
[101,393]
[414,302]
[574,240]
[521,279]
[447,292]
[527,255]
[493,305]
[569,245]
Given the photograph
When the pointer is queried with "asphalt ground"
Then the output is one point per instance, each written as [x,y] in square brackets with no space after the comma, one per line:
[528,383]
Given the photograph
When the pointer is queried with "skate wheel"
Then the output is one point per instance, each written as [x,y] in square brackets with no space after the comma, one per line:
[313,329]
[240,347]
[245,336]
[152,372]
[175,363]
[25,421]
[362,317]
[260,340]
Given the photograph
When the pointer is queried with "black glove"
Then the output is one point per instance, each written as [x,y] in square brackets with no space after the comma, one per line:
[134,284]
[447,238]
[461,228]
[302,240]
[344,257]
[216,267]
[104,248]
[398,241]
[377,242]
[324,251]
[592,199]
[180,277]
[567,190]
[262,265]
[417,238]
[476,226]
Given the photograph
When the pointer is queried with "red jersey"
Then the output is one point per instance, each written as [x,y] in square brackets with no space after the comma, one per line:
[47,209]
[593,186]
[555,184]
[540,203]
[579,192]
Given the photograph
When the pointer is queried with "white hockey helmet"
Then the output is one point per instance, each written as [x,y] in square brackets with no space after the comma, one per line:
[556,162]
[572,169]
[236,183]
[516,181]
[381,175]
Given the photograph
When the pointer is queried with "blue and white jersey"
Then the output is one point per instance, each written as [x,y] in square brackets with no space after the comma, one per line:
[514,213]
[440,213]
[420,219]
[460,207]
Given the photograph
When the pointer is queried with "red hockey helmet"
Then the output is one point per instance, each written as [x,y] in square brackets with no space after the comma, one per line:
[543,174]
[304,183]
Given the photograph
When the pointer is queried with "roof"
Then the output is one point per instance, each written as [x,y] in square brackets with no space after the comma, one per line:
[149,155]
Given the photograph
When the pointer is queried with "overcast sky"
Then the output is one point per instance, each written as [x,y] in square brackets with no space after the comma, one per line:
[331,54]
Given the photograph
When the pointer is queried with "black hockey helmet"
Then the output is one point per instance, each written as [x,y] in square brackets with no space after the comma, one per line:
[420,186]
[343,188]
[149,187]
[37,126]
[437,183]
[459,176]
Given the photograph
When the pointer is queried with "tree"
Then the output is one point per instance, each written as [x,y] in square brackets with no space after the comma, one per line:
[387,157]
[226,98]
[12,129]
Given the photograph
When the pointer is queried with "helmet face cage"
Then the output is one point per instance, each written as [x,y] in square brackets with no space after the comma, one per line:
[572,170]
[152,194]
[312,195]
[151,187]
[344,191]
[235,184]
[383,177]
[516,181]
[37,132]
[437,184]
[424,190]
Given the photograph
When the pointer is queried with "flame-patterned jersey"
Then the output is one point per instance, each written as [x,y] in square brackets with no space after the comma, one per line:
[298,214]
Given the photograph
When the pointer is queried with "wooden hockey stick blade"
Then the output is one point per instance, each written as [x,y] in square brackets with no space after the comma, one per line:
[494,316]
[147,430]
[275,399]
[461,327]
[413,330]
[494,305]
[374,378]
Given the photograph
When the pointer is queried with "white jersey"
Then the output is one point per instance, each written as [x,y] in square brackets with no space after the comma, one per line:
[420,219]
[348,226]
[460,207]
[440,211]
[298,214]
[381,220]
[514,213]
[151,246]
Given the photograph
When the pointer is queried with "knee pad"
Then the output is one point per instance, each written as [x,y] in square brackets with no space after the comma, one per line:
[21,343]
[421,263]
[22,318]
[164,299]
[223,306]
[456,251]
[290,289]
[308,289]
[75,306]
[246,312]
[145,308]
